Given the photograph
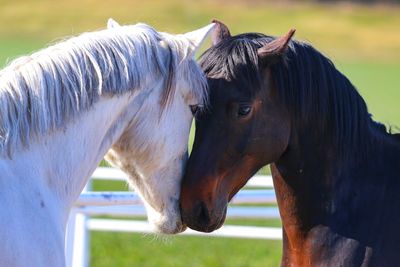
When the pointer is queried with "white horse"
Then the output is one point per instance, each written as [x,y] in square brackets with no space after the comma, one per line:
[125,91]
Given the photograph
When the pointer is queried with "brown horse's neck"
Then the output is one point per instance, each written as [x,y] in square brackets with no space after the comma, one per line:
[293,234]
[300,210]
[301,195]
[326,204]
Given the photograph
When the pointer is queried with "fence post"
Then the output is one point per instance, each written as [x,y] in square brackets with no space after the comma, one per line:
[77,241]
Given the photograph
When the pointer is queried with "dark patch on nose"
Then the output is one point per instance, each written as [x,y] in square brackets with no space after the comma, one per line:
[42,205]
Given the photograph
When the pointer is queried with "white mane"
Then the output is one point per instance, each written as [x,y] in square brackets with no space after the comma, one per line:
[41,92]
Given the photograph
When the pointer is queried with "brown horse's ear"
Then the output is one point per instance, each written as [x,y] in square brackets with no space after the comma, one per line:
[276,48]
[220,32]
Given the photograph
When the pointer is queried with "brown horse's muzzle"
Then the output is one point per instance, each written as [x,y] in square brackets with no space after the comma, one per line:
[202,208]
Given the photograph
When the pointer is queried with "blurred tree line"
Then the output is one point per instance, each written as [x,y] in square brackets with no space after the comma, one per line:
[366,2]
[361,1]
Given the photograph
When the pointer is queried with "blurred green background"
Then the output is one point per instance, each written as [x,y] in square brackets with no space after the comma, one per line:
[362,40]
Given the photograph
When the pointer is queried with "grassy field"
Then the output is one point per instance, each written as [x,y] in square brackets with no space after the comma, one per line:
[363,41]
[138,250]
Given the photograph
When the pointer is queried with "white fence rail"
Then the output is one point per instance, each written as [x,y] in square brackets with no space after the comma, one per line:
[129,204]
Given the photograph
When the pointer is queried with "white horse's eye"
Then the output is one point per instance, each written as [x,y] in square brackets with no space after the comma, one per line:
[194,109]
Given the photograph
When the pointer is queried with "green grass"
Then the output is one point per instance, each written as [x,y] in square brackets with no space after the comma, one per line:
[379,85]
[363,41]
[116,249]
[10,48]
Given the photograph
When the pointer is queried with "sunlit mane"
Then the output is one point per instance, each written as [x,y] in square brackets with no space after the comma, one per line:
[41,92]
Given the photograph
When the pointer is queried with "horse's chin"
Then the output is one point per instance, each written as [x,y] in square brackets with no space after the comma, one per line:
[168,230]
[166,223]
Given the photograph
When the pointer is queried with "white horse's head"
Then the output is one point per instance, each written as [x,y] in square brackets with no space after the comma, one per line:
[153,148]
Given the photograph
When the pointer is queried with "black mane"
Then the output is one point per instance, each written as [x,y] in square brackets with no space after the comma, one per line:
[314,92]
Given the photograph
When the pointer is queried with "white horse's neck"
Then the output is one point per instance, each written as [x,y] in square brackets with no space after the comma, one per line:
[76,150]
[48,178]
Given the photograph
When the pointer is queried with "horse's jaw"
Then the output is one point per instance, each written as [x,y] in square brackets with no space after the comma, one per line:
[166,222]
[158,187]
[160,192]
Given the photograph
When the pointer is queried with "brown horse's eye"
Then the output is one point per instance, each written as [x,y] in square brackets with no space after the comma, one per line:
[243,111]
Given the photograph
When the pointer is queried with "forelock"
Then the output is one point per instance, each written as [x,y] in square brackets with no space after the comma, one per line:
[235,58]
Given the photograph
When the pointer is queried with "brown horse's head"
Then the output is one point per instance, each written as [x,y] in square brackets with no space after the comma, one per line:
[244,127]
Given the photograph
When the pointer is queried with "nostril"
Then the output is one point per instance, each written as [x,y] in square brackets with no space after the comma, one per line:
[203,215]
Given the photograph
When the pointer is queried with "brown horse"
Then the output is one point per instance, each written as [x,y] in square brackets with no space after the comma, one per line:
[336,171]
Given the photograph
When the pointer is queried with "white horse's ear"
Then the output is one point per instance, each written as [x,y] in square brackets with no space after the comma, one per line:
[112,24]
[197,37]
